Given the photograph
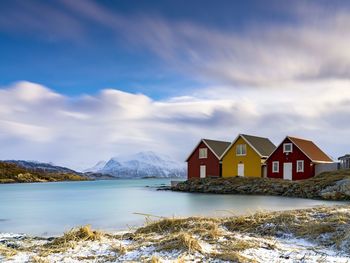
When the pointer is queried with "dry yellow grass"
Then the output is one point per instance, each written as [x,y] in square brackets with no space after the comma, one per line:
[119,249]
[7,252]
[182,241]
[70,239]
[155,259]
[37,259]
[325,226]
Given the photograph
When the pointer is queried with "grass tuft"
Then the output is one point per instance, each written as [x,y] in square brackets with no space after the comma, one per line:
[7,252]
[181,242]
[119,249]
[36,259]
[70,239]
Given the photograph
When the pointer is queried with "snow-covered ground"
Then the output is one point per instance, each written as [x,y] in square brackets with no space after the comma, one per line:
[106,250]
[309,235]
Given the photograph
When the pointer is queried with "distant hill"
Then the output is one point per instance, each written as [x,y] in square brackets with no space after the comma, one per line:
[24,172]
[139,165]
[45,167]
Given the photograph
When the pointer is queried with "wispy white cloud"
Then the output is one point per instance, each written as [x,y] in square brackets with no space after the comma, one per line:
[268,80]
[80,131]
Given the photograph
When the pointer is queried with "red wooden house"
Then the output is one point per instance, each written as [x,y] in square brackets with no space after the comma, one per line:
[296,159]
[205,159]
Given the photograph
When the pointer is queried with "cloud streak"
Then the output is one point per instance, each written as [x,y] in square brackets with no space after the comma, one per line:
[312,46]
[37,123]
[269,80]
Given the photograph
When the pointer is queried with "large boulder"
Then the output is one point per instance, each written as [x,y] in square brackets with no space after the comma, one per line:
[340,190]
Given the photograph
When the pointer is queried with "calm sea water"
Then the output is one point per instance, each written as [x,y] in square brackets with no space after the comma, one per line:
[52,208]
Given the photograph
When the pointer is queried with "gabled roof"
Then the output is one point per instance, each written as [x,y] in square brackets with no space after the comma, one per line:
[310,149]
[344,157]
[262,146]
[216,147]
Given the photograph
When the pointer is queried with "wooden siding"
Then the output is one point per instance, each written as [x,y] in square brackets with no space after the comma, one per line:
[293,157]
[211,162]
[252,161]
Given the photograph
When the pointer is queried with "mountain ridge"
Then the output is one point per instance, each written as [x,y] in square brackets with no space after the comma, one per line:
[141,164]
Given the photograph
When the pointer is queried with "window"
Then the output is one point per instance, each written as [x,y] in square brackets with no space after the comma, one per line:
[241,149]
[287,147]
[300,166]
[203,153]
[275,167]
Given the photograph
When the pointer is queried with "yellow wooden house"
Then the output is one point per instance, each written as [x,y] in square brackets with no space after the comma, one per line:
[246,156]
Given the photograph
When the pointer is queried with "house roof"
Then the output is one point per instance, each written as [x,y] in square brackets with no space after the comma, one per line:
[217,147]
[344,157]
[311,150]
[262,146]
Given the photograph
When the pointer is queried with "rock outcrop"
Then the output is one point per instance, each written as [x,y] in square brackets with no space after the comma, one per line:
[327,186]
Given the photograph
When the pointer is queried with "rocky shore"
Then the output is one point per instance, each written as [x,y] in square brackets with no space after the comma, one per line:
[326,186]
[320,234]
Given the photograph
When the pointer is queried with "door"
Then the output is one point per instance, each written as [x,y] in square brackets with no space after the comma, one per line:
[203,171]
[287,171]
[240,169]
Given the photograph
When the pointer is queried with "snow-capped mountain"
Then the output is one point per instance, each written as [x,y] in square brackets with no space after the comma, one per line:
[96,168]
[142,164]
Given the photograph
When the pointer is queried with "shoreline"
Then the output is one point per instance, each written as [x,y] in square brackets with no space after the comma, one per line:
[326,186]
[43,182]
[311,234]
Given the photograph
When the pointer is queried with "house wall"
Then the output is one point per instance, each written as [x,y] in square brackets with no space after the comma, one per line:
[251,161]
[211,162]
[278,155]
[326,167]
[345,162]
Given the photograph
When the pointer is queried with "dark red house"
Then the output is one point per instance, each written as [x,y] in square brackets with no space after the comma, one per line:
[204,161]
[295,159]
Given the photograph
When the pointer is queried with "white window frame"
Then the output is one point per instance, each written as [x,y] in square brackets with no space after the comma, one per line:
[273,167]
[301,170]
[284,147]
[241,150]
[203,153]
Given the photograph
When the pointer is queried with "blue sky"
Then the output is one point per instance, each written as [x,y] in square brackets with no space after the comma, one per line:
[73,53]
[160,75]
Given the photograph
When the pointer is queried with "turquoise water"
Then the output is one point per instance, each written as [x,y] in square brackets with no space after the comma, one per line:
[52,208]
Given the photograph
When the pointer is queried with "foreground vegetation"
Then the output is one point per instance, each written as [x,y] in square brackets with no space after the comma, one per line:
[312,235]
[328,186]
[12,173]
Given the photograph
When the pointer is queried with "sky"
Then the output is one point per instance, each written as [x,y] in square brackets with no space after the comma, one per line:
[83,81]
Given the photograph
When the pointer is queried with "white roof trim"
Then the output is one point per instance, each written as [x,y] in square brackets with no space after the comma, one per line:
[235,140]
[323,162]
[229,147]
[290,138]
[195,148]
[211,149]
[277,148]
[315,161]
[242,135]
